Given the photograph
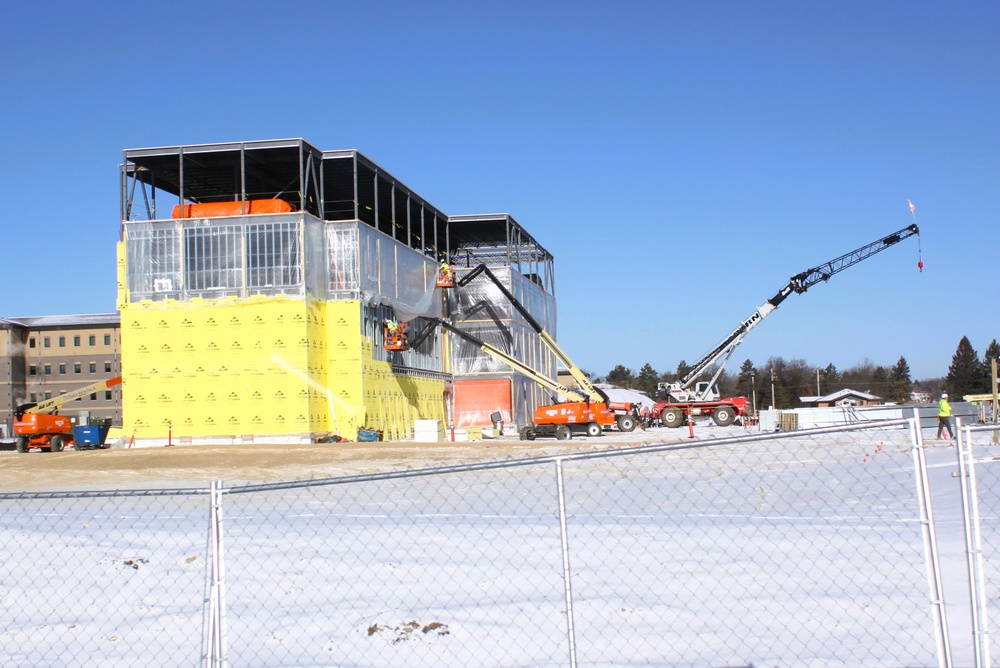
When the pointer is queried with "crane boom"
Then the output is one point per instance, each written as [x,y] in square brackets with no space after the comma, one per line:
[798,283]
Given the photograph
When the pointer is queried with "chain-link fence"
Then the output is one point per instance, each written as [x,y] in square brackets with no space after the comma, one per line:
[833,547]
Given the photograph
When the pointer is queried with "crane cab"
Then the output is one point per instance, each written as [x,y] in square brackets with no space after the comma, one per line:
[445,276]
[394,336]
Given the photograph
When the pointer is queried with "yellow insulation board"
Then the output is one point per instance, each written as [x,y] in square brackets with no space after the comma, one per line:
[365,391]
[283,366]
[219,367]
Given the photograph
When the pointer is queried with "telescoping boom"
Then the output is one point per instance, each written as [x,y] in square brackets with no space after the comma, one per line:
[798,283]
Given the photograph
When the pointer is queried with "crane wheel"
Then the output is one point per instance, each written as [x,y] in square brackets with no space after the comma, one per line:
[56,443]
[594,429]
[526,433]
[724,416]
[672,417]
[22,445]
[563,433]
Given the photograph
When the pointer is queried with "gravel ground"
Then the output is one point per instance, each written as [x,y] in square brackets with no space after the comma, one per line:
[180,465]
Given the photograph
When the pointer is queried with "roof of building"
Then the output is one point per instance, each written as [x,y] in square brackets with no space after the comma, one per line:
[841,394]
[77,320]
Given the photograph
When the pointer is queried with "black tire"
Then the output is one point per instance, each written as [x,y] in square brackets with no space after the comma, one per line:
[672,417]
[594,429]
[563,433]
[526,433]
[21,444]
[625,422]
[724,415]
[56,443]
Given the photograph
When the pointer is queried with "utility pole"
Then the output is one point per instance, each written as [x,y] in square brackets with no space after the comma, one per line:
[774,399]
[817,383]
[753,392]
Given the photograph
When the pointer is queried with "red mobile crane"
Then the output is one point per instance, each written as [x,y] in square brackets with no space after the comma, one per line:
[687,397]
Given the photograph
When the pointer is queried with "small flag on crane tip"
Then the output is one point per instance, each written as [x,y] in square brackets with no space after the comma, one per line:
[913,209]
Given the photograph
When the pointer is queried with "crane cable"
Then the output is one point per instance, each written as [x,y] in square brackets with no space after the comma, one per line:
[920,259]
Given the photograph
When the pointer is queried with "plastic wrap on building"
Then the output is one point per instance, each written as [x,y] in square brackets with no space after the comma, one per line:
[482,310]
[399,275]
[288,254]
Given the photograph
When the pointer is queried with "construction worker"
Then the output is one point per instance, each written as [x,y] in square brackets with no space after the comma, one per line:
[944,416]
[444,274]
[391,326]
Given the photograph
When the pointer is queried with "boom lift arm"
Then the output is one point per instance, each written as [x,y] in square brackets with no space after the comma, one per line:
[798,283]
[52,405]
[593,392]
[498,354]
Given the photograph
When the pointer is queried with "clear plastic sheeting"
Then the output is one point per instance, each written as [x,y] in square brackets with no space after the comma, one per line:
[286,254]
[482,310]
[397,275]
[235,256]
[481,299]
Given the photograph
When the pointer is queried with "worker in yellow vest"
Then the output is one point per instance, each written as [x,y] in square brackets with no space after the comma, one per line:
[944,417]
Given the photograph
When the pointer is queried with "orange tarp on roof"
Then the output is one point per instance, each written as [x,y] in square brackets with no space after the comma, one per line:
[216,209]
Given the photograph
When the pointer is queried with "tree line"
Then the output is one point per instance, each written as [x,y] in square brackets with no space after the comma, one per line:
[781,383]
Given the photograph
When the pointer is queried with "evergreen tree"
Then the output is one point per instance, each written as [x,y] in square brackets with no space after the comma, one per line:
[726,384]
[647,380]
[620,376]
[992,353]
[879,383]
[966,374]
[746,380]
[900,385]
[831,380]
[682,369]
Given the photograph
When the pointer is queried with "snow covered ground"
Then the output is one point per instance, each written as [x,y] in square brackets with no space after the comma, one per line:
[804,549]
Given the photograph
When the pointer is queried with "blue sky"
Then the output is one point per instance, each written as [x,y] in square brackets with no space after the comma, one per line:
[680,160]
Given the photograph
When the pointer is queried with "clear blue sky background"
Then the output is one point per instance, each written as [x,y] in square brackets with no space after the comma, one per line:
[680,160]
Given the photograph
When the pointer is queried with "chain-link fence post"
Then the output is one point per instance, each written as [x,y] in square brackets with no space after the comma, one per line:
[214,648]
[973,545]
[931,557]
[570,630]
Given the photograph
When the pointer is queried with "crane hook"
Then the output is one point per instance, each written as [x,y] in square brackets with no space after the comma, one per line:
[920,259]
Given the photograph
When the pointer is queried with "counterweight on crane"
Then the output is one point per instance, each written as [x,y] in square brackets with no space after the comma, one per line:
[688,396]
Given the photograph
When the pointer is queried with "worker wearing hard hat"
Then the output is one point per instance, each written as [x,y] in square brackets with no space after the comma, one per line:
[944,416]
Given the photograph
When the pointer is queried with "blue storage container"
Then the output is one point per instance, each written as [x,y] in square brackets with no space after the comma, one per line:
[90,435]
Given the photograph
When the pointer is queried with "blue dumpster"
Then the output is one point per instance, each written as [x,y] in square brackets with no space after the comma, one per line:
[90,435]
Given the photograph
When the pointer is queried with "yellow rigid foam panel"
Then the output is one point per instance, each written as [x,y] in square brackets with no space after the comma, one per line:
[380,399]
[282,366]
[219,367]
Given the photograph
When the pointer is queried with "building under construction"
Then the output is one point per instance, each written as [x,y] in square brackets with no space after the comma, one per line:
[255,279]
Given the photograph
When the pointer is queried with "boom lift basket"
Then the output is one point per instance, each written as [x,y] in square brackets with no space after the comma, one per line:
[445,276]
[394,336]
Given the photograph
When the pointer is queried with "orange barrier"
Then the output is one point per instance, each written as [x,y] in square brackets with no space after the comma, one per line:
[216,209]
